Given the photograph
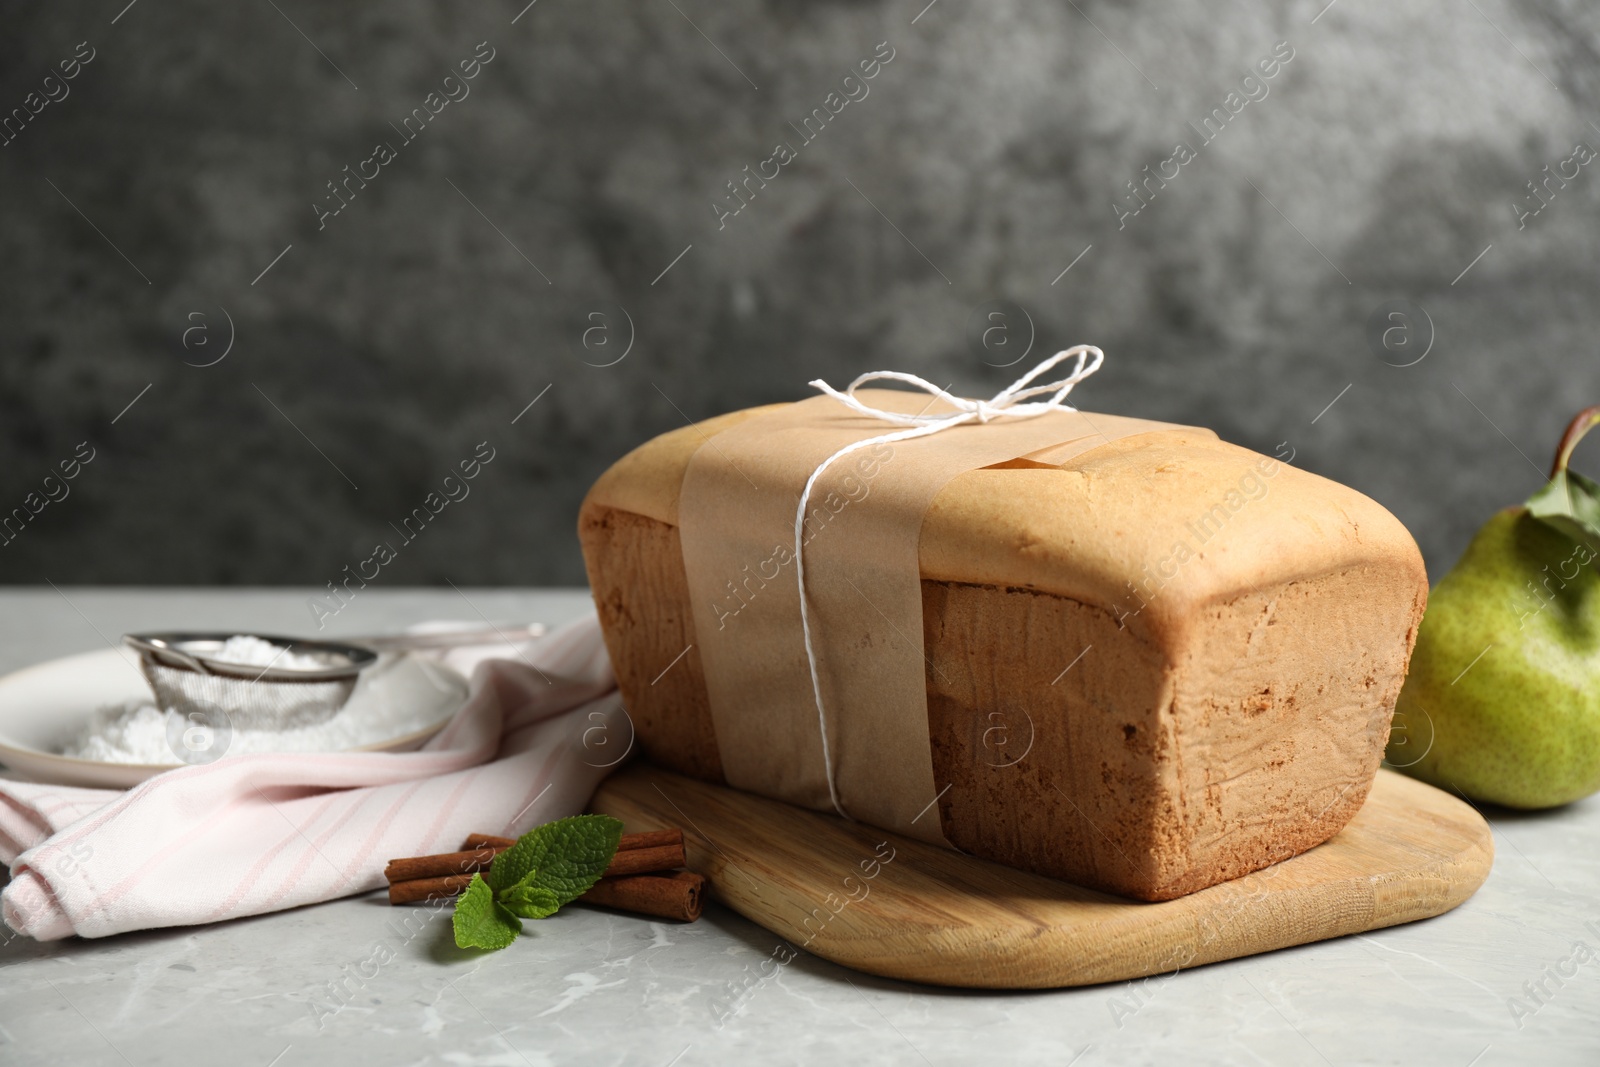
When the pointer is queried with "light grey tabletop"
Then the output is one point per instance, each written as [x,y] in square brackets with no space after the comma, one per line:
[594,987]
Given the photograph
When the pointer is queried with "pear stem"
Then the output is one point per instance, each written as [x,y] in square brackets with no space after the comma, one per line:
[1582,423]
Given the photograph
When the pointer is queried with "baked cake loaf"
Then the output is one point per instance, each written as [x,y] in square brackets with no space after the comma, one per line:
[1163,664]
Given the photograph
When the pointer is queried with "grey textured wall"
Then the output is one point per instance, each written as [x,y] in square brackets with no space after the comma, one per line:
[174,197]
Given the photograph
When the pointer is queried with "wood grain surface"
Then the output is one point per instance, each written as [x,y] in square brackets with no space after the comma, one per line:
[897,908]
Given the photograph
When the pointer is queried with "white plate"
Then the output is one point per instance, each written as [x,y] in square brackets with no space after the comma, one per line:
[44,706]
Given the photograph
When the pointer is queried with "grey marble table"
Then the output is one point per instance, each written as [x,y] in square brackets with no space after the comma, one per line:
[346,982]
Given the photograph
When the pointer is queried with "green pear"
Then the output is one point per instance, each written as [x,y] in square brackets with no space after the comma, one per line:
[1502,701]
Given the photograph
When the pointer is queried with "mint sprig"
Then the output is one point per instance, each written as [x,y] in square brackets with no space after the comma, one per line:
[549,867]
[529,901]
[480,921]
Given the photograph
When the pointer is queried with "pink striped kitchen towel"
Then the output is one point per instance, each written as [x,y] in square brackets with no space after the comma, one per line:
[263,831]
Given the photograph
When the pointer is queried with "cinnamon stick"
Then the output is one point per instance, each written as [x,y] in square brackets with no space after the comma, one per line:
[646,860]
[421,889]
[636,855]
[405,870]
[647,839]
[679,895]
[651,839]
[492,841]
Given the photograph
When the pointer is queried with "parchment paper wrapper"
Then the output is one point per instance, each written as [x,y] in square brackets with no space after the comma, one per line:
[737,524]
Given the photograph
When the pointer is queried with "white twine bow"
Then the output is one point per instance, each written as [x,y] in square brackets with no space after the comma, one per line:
[1015,401]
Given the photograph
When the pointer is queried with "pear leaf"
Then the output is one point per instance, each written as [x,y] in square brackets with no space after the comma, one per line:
[1570,503]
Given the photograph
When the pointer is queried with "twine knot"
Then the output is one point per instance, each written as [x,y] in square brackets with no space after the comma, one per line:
[1015,401]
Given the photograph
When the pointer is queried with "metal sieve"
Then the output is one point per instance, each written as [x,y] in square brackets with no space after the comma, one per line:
[186,676]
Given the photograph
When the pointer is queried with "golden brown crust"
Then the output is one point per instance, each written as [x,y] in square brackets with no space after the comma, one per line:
[1231,709]
[636,576]
[1085,529]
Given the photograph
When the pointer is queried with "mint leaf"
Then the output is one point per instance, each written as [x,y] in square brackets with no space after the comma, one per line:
[1570,503]
[529,901]
[480,922]
[549,866]
[565,857]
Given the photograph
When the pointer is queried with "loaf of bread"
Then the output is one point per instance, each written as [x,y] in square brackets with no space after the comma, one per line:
[1162,664]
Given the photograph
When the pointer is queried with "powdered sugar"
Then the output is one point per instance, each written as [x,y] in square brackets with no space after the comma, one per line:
[399,695]
[254,652]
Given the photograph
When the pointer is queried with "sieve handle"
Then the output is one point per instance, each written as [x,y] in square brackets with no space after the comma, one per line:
[486,635]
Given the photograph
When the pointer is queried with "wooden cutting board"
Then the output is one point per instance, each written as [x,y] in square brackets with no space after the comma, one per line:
[902,909]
